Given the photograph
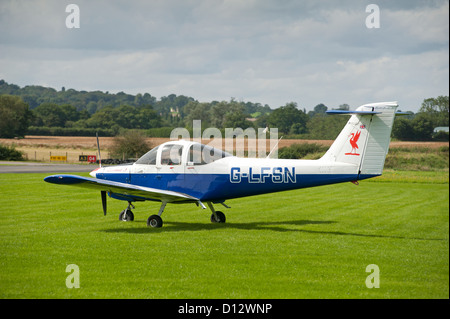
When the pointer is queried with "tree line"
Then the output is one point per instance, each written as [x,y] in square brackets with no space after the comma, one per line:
[36,110]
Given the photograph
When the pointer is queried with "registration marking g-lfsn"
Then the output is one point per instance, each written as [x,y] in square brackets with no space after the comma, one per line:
[263,174]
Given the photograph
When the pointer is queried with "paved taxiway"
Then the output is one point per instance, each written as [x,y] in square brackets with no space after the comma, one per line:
[29,167]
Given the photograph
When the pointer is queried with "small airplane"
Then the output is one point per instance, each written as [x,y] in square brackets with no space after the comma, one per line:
[189,172]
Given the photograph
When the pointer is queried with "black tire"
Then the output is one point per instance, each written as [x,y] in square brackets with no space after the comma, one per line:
[154,221]
[129,216]
[220,217]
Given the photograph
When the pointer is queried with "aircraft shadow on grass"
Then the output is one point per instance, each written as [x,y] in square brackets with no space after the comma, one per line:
[278,226]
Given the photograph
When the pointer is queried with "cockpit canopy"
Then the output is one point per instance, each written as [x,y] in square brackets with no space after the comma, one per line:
[177,153]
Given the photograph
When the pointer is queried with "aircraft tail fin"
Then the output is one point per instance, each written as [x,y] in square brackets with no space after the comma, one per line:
[365,139]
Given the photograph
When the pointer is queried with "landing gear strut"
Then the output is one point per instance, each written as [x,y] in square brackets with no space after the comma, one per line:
[216,216]
[155,221]
[127,215]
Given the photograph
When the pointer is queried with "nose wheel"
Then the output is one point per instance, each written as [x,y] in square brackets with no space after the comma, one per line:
[127,215]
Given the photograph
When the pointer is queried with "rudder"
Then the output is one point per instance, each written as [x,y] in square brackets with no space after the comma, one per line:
[377,145]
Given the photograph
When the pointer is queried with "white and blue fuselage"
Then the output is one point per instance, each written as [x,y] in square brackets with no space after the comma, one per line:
[228,176]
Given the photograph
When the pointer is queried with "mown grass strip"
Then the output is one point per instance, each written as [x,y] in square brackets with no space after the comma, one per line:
[310,243]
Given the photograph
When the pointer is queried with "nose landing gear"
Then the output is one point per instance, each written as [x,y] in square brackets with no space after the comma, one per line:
[127,215]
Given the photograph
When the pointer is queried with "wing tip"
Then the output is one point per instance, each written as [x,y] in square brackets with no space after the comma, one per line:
[64,179]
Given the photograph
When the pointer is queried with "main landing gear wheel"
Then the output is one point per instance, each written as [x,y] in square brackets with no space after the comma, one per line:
[126,215]
[219,219]
[154,221]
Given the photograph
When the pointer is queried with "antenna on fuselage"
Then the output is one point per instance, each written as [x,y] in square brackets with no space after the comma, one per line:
[268,156]
[98,147]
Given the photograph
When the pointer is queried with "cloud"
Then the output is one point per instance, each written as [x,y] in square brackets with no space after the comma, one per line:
[264,51]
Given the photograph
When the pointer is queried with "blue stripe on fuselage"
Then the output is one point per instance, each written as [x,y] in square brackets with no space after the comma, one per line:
[212,187]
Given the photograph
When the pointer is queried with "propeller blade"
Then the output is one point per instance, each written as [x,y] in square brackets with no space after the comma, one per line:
[98,147]
[103,193]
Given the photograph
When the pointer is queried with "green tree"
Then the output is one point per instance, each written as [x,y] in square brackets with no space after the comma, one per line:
[285,116]
[438,109]
[218,112]
[236,120]
[48,114]
[14,116]
[422,126]
[403,129]
[197,111]
[105,118]
[53,115]
[129,144]
[9,153]
[262,120]
[126,117]
[148,118]
[320,108]
[229,114]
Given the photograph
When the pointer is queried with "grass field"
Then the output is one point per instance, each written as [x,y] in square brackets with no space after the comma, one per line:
[310,243]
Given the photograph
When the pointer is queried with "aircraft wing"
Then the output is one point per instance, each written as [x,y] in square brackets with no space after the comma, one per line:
[126,191]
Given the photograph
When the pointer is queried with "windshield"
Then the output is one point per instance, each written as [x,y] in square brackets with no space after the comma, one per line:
[148,158]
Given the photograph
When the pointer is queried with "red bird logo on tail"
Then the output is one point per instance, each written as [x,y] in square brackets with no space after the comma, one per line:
[353,140]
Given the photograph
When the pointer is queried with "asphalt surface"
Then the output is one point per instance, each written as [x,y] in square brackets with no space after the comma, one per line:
[29,167]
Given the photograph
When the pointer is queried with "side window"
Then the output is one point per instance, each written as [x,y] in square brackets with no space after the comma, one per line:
[171,154]
[200,154]
[195,155]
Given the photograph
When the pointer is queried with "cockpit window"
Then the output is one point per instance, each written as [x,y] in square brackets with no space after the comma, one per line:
[171,154]
[149,158]
[200,154]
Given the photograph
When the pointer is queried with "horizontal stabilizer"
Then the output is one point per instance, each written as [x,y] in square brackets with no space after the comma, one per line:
[352,112]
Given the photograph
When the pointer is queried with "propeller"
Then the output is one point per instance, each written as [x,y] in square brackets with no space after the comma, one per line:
[98,147]
[103,193]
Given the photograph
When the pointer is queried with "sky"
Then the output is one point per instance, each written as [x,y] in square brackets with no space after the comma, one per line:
[263,51]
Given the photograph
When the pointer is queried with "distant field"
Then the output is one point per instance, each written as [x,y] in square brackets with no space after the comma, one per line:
[40,148]
[83,142]
[311,243]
